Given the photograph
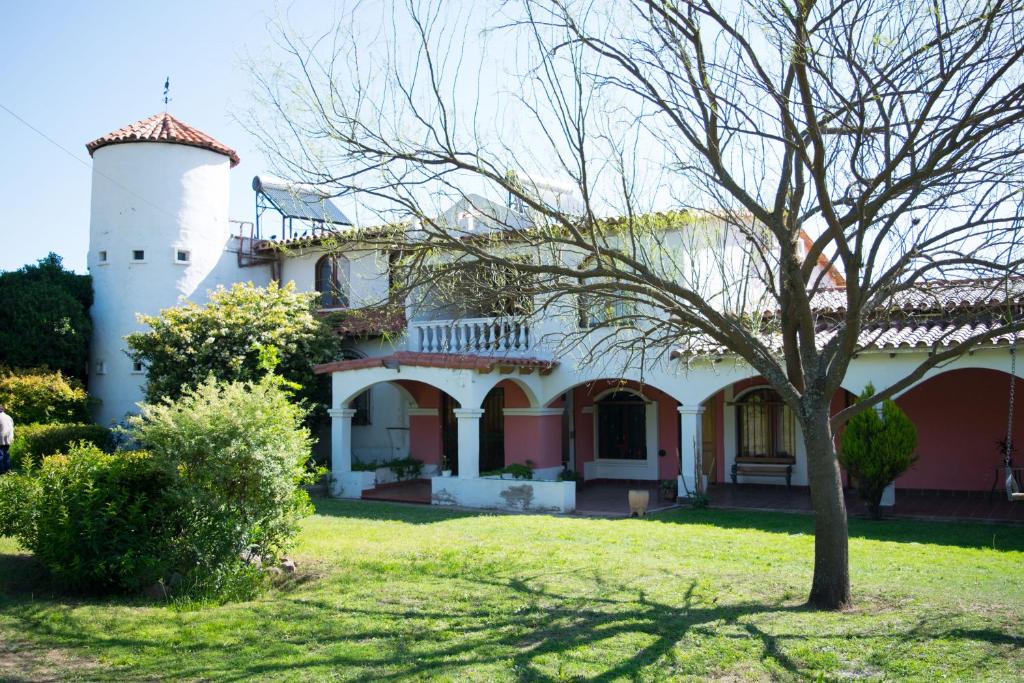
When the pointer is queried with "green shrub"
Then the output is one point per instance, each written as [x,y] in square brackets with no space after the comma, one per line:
[17,503]
[876,449]
[570,475]
[236,454]
[97,521]
[360,466]
[34,442]
[406,468]
[39,396]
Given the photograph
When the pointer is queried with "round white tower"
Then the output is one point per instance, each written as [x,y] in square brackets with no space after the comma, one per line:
[158,231]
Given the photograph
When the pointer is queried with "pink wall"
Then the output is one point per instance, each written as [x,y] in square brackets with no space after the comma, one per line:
[960,417]
[537,438]
[425,438]
[424,430]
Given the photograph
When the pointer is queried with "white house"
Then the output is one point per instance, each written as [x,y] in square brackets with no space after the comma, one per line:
[477,393]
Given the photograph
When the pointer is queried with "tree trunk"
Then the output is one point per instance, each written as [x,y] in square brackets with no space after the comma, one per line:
[830,588]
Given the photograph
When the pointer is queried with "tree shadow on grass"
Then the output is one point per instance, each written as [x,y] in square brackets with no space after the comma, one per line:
[981,535]
[417,636]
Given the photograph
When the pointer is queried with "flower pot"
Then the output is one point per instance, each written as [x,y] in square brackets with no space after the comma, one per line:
[639,499]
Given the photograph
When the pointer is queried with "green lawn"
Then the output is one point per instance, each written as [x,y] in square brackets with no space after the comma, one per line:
[397,593]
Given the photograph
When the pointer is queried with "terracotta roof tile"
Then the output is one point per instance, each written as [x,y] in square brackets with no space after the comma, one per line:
[163,128]
[894,336]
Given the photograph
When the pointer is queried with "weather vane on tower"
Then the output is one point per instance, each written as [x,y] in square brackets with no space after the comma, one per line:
[167,92]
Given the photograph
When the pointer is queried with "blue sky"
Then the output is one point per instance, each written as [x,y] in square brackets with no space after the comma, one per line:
[78,70]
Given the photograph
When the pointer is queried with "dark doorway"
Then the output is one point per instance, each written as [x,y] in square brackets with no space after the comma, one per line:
[622,427]
[450,432]
[492,431]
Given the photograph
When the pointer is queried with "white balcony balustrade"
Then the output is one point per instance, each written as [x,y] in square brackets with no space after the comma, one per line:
[483,336]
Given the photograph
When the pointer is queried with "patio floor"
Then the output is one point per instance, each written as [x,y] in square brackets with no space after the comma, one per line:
[415,491]
[910,504]
[610,498]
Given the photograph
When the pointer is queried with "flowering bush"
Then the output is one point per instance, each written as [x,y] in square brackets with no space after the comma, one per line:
[240,335]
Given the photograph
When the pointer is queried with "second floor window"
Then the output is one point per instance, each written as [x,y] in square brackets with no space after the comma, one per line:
[604,310]
[332,281]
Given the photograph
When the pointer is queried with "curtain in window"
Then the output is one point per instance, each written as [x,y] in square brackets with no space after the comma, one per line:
[766,426]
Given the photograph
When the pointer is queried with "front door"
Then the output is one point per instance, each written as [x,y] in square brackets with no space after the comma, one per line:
[492,431]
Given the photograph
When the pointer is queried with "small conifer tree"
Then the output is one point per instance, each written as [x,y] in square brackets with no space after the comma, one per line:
[877,447]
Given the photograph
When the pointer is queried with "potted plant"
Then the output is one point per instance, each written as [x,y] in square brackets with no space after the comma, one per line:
[446,466]
[570,475]
[669,490]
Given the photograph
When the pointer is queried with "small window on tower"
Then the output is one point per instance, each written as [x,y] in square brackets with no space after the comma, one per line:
[137,368]
[182,256]
[101,257]
[138,255]
[101,368]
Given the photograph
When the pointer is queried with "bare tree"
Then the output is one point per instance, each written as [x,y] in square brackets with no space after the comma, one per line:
[878,140]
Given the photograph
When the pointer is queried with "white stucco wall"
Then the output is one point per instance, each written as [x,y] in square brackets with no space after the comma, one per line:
[520,495]
[158,198]
[368,274]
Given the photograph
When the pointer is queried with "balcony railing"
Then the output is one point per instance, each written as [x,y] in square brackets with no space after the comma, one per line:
[485,336]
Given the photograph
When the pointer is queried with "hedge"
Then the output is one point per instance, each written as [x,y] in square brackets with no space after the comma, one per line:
[37,441]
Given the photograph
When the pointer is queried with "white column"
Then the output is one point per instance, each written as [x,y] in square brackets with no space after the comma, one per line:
[469,441]
[341,440]
[690,448]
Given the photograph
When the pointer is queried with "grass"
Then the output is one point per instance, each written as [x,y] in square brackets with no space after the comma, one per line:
[387,592]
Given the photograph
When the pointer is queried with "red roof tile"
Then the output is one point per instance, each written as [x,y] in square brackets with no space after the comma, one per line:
[163,128]
[452,361]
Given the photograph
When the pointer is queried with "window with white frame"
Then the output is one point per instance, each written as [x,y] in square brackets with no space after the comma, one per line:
[138,255]
[182,256]
[137,367]
[101,368]
[101,256]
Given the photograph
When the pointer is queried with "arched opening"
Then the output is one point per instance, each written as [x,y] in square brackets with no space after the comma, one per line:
[961,418]
[620,429]
[332,281]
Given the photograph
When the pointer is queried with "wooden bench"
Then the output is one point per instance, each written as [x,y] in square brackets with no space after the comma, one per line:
[763,467]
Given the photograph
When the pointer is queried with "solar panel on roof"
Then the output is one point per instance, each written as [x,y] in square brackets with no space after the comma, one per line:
[300,201]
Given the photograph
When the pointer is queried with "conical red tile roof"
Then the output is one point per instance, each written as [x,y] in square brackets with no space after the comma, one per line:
[163,128]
